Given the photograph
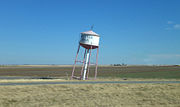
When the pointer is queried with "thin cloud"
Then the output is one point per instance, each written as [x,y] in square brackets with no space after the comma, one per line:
[172,26]
[163,59]
[177,26]
[165,56]
[170,22]
[168,28]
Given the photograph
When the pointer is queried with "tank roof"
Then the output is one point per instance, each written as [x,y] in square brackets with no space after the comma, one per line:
[90,32]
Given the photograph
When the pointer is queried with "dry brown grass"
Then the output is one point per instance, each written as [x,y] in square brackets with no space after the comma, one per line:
[65,80]
[96,95]
[30,80]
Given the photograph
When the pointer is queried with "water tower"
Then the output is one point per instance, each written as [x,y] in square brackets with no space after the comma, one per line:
[89,41]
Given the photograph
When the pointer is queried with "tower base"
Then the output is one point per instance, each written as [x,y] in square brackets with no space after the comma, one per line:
[85,67]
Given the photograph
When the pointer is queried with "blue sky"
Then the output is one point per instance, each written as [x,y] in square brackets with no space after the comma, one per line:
[132,31]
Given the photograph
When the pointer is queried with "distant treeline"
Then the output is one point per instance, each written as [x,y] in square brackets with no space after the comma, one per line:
[119,64]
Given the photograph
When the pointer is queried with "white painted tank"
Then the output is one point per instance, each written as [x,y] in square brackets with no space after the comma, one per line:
[89,40]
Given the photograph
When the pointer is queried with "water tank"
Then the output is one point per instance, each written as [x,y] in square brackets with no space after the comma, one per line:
[89,40]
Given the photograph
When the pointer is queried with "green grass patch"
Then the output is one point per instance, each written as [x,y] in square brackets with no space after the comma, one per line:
[148,75]
[158,72]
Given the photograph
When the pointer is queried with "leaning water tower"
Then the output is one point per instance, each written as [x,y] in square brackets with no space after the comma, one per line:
[89,41]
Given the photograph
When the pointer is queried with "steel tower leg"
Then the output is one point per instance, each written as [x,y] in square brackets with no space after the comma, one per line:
[75,62]
[96,62]
[89,62]
[86,64]
[83,64]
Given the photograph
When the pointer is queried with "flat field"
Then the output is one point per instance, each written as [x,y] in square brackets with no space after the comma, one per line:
[145,72]
[92,95]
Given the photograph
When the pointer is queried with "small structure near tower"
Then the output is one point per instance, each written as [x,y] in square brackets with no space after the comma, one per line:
[89,41]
